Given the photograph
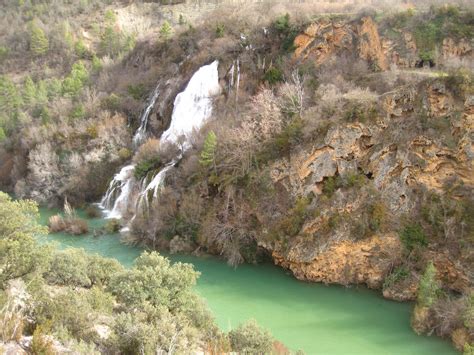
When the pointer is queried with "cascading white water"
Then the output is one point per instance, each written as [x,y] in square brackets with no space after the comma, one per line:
[192,108]
[115,200]
[140,134]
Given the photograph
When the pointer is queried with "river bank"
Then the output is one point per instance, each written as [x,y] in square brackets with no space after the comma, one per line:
[316,318]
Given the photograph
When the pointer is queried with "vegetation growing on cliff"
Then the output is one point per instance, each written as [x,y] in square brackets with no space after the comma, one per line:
[334,135]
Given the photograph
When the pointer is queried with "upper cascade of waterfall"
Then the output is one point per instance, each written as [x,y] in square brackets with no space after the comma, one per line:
[193,106]
[140,134]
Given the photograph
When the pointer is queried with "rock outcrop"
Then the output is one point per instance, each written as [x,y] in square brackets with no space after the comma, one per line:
[348,262]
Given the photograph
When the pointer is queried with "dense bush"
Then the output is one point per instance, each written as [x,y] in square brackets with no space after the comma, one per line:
[412,236]
[249,338]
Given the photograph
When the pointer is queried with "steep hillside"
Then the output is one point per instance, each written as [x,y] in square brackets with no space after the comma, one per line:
[340,145]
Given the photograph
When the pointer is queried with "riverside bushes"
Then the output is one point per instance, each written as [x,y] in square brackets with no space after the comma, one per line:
[84,302]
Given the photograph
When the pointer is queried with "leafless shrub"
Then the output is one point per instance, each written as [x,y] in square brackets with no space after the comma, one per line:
[448,314]
[148,150]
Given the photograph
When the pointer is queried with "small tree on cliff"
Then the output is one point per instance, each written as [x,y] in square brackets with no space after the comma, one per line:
[166,30]
[208,153]
[429,287]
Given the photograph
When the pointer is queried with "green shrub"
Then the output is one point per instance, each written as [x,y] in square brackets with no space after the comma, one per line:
[429,288]
[249,338]
[138,92]
[397,275]
[208,153]
[111,102]
[412,235]
[273,76]
[166,30]
[4,51]
[220,30]
[144,167]
[39,43]
[283,142]
[78,112]
[81,50]
[69,267]
[282,23]
[75,81]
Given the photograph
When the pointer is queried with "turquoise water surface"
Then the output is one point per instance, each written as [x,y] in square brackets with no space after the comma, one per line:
[313,317]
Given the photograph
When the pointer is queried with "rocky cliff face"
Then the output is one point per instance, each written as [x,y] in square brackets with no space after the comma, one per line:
[395,166]
[324,39]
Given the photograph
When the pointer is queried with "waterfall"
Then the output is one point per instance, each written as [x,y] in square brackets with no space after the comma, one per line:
[192,108]
[140,134]
[115,200]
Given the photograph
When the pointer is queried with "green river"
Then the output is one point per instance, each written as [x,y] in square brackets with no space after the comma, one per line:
[316,318]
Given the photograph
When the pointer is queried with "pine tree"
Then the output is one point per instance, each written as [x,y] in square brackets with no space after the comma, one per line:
[429,287]
[29,91]
[166,30]
[10,98]
[39,43]
[208,153]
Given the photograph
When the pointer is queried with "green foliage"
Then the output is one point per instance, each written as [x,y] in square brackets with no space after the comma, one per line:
[111,102]
[220,30]
[360,113]
[286,31]
[70,267]
[138,91]
[96,64]
[447,21]
[429,288]
[39,43]
[282,23]
[154,280]
[144,167]
[75,81]
[398,274]
[283,142]
[110,17]
[291,224]
[4,51]
[19,254]
[249,338]
[330,185]
[100,269]
[78,112]
[2,135]
[10,100]
[166,30]
[460,81]
[273,76]
[208,153]
[113,42]
[53,88]
[29,91]
[66,310]
[18,218]
[81,50]
[412,235]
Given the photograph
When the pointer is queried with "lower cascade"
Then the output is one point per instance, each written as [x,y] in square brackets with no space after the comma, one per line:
[126,195]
